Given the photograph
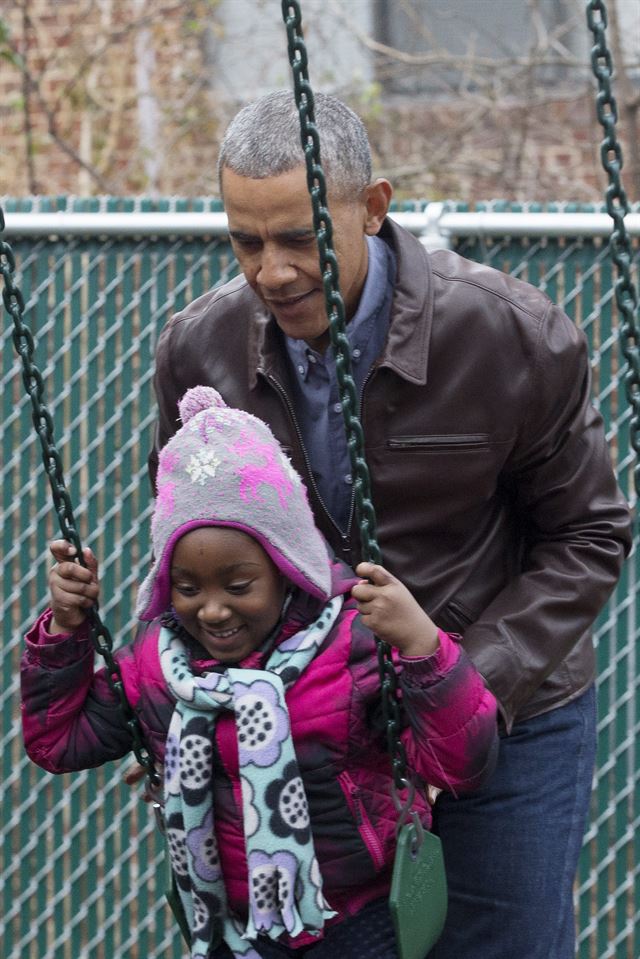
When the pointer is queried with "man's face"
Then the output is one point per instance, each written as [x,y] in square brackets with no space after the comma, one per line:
[271,230]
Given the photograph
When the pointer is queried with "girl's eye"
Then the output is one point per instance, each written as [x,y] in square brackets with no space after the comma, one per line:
[238,588]
[184,589]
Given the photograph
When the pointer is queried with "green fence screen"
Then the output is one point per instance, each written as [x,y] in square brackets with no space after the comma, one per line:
[80,867]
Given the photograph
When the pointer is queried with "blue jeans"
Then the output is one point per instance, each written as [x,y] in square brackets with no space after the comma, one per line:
[511,849]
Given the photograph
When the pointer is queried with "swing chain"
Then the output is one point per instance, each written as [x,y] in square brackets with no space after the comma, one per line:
[323,228]
[33,383]
[330,276]
[617,208]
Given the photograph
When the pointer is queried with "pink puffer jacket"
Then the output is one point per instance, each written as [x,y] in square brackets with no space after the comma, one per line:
[71,721]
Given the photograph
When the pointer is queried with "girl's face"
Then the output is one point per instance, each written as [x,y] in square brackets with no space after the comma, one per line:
[225,590]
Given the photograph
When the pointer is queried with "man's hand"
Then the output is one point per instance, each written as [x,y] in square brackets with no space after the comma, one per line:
[391,612]
[74,588]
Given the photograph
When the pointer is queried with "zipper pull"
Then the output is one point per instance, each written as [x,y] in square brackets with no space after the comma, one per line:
[346,548]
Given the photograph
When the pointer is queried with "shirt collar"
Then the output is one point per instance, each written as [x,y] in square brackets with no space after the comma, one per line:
[380,271]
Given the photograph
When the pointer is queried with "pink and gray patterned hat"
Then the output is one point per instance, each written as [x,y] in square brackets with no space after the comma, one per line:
[224,467]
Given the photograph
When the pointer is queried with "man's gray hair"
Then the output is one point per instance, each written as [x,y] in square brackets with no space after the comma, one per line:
[263,140]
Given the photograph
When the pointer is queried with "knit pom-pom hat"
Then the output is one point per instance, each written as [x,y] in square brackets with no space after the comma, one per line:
[224,467]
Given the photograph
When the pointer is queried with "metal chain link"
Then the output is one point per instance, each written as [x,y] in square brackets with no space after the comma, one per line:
[617,207]
[348,396]
[43,424]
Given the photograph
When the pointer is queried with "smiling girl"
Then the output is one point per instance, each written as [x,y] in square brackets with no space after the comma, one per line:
[254,676]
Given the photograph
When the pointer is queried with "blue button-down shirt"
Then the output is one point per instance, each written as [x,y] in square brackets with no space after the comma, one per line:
[316,395]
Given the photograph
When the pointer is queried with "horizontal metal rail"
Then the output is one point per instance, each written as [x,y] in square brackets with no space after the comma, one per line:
[533,224]
[435,226]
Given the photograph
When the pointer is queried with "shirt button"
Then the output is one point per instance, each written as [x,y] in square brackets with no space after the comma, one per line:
[311,357]
[356,354]
[348,479]
[301,369]
[337,407]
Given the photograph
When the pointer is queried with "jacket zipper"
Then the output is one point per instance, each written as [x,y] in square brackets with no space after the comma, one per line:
[344,536]
[369,836]
[283,393]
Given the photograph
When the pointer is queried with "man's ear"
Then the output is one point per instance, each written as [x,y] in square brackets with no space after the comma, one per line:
[377,199]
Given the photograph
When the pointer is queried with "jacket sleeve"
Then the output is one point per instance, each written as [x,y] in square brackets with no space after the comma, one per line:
[448,716]
[574,521]
[451,736]
[71,719]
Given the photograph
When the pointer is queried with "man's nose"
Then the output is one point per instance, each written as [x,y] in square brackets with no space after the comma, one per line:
[276,268]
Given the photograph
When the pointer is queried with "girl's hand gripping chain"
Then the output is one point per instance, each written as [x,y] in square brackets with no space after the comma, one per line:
[74,588]
[391,612]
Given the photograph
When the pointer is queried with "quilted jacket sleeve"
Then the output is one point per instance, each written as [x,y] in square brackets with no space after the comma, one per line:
[450,730]
[71,719]
[452,735]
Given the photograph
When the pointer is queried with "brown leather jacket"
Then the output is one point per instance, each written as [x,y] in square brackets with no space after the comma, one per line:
[495,498]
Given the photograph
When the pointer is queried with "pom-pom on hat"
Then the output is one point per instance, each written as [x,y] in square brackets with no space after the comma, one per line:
[224,467]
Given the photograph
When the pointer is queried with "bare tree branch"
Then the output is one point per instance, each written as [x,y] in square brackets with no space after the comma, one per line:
[440,122]
[26,96]
[630,103]
[443,58]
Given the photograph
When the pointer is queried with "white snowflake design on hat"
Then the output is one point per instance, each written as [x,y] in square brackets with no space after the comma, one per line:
[202,465]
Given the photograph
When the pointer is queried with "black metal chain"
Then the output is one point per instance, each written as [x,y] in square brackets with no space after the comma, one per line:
[348,396]
[617,207]
[43,424]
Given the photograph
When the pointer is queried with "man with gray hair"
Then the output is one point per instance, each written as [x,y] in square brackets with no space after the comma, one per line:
[495,497]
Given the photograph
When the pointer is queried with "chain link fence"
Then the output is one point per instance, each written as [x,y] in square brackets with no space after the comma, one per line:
[81,864]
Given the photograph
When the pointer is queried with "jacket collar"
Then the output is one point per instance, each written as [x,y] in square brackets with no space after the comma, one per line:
[407,348]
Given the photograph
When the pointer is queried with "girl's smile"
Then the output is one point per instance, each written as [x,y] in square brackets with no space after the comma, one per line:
[225,590]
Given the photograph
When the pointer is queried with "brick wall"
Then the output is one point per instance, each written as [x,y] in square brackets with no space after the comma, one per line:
[544,152]
[84,105]
[86,110]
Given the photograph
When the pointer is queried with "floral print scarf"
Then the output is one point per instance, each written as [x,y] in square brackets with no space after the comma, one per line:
[285,885]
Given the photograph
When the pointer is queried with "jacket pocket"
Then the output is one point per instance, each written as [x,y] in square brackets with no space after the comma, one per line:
[445,443]
[462,615]
[353,795]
